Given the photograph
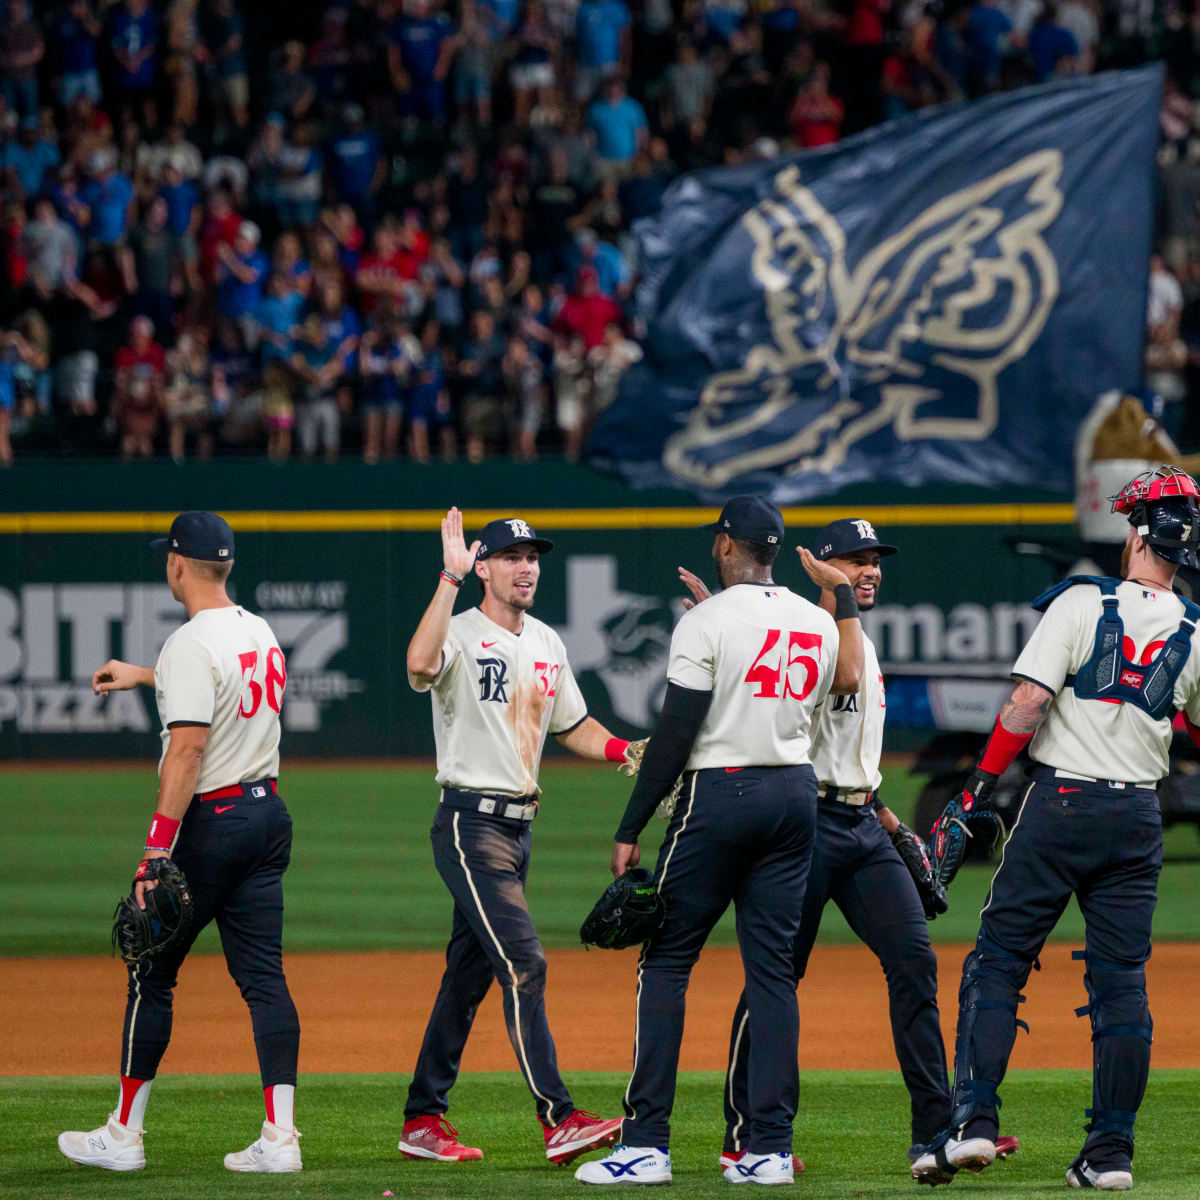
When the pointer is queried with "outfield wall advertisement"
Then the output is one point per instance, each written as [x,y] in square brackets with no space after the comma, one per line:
[344,602]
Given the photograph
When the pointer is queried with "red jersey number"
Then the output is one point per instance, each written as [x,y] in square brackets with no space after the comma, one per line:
[791,667]
[252,690]
[547,676]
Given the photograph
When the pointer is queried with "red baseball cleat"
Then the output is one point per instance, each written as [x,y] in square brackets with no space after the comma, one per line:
[1006,1145]
[434,1137]
[579,1133]
[729,1157]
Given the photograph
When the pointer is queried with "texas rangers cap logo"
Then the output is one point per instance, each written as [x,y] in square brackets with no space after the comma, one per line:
[866,530]
[519,528]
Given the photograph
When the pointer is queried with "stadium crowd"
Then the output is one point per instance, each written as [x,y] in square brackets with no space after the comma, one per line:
[407,229]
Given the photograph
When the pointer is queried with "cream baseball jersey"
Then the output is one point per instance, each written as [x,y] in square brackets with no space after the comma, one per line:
[495,699]
[1105,739]
[767,655]
[224,669]
[847,736]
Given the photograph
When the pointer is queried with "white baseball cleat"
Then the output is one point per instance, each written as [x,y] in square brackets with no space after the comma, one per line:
[114,1146]
[276,1151]
[628,1164]
[762,1168]
[1080,1175]
[940,1165]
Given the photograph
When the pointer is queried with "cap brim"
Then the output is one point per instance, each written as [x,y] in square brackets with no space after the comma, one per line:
[883,550]
[160,543]
[541,545]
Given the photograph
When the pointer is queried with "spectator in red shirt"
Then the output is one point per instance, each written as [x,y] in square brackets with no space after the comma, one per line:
[382,274]
[138,397]
[587,312]
[816,115]
[219,228]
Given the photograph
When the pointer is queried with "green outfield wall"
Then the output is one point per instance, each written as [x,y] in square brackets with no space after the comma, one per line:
[342,561]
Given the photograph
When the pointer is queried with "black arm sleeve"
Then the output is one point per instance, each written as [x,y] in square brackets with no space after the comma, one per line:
[667,753]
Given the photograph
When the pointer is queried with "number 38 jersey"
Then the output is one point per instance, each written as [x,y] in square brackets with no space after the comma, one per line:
[224,669]
[495,699]
[768,656]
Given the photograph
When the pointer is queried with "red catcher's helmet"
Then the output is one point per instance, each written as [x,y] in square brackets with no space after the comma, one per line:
[1163,505]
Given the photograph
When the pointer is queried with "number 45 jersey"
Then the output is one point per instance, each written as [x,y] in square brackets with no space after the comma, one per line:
[495,699]
[224,669]
[768,657]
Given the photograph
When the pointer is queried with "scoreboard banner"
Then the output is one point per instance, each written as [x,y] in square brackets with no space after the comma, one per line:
[936,300]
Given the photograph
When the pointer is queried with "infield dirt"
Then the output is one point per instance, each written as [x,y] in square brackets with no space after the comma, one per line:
[366,1012]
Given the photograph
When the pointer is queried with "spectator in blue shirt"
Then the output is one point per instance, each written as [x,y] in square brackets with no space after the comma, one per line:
[987,41]
[241,273]
[76,33]
[1052,48]
[419,54]
[619,125]
[108,199]
[603,42]
[182,199]
[357,165]
[29,158]
[133,39]
[278,314]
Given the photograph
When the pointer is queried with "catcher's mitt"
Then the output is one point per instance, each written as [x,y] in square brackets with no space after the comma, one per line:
[968,815]
[629,912]
[139,933]
[915,857]
[634,753]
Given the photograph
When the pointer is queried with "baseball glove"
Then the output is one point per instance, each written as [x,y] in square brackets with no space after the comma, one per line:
[629,912]
[139,933]
[634,753]
[968,815]
[915,857]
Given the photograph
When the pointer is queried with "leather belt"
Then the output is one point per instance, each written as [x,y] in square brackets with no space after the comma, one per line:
[522,808]
[255,789]
[855,797]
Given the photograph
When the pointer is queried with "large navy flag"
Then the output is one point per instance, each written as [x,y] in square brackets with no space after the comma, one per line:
[941,298]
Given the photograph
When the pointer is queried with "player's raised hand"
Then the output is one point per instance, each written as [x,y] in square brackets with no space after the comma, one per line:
[695,585]
[824,575]
[456,557]
[116,676]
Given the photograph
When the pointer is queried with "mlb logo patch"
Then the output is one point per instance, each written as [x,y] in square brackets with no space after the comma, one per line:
[1131,679]
[258,792]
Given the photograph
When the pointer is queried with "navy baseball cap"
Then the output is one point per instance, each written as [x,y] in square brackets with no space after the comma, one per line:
[509,531]
[750,519]
[201,535]
[846,536]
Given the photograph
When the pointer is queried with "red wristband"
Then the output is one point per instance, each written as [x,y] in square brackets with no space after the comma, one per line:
[162,832]
[614,749]
[1002,748]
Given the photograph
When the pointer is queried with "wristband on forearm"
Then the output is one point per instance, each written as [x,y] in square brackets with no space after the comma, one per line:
[614,749]
[845,606]
[162,832]
[456,580]
[1002,747]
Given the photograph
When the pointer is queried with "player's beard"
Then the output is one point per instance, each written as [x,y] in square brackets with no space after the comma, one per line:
[1124,561]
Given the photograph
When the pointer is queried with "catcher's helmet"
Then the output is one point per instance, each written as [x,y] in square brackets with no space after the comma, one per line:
[1163,505]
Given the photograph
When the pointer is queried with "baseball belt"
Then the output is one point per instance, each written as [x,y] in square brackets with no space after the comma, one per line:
[520,808]
[855,797]
[254,789]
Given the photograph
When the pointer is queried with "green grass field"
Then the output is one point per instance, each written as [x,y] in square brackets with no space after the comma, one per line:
[371,825]
[851,1131]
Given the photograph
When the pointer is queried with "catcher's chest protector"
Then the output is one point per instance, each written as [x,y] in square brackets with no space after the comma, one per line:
[1108,674]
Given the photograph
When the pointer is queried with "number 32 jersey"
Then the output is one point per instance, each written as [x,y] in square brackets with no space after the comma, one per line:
[495,699]
[768,657]
[224,669]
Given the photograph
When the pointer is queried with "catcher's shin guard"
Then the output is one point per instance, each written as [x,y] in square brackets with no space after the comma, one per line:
[1122,1031]
[987,1027]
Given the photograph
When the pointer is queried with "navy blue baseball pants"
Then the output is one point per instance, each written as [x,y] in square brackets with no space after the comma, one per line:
[855,865]
[233,853]
[484,861]
[743,836]
[1102,844]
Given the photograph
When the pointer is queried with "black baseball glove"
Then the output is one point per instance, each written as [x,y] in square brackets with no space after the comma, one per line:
[139,933]
[968,815]
[628,914]
[915,856]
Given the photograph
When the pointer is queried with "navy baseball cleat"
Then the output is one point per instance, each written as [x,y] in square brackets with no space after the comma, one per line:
[952,1155]
[1117,1177]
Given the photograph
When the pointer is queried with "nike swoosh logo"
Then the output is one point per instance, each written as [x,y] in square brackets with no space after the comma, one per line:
[1064,791]
[730,770]
[219,809]
[487,645]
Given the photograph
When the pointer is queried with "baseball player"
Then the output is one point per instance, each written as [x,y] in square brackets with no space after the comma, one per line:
[1097,686]
[856,864]
[219,684]
[747,669]
[501,682]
